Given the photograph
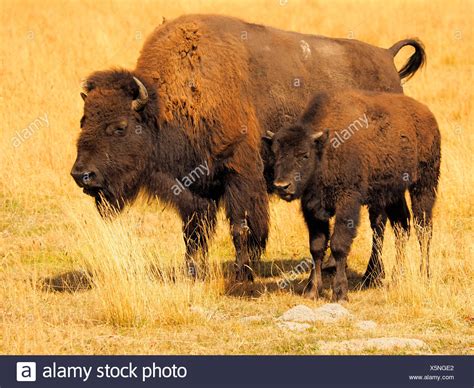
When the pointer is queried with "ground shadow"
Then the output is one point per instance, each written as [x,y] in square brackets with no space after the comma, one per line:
[71,281]
[270,277]
[275,277]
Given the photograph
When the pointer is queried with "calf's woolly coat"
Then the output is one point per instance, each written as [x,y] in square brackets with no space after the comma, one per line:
[398,150]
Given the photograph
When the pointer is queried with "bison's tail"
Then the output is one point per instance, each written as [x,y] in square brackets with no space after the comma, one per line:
[417,60]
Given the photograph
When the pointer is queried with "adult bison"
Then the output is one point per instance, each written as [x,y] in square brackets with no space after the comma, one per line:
[204,91]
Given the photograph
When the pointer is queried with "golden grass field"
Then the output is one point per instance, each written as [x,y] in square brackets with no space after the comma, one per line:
[48,226]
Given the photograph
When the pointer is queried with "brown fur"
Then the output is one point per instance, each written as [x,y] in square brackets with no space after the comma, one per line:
[398,150]
[215,85]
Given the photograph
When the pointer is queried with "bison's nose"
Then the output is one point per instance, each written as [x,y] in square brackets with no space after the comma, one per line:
[84,178]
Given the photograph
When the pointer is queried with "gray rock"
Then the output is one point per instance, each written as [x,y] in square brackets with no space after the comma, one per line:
[366,325]
[299,313]
[331,313]
[378,344]
[328,313]
[293,326]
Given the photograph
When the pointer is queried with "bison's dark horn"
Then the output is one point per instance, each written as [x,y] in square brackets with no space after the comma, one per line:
[269,135]
[140,102]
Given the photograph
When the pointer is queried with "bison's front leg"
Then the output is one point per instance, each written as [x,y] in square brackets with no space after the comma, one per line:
[198,215]
[246,204]
[345,229]
[318,243]
[199,221]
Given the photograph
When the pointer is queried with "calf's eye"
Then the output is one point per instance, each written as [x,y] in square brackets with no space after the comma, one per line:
[119,131]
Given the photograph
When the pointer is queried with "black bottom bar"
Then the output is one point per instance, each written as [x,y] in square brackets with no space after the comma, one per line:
[236,371]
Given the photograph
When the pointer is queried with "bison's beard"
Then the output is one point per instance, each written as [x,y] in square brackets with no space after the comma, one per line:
[108,205]
[110,199]
[107,202]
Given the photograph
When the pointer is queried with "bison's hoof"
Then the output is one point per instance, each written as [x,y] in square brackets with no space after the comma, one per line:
[243,274]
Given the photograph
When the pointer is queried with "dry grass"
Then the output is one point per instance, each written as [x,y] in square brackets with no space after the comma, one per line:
[48,226]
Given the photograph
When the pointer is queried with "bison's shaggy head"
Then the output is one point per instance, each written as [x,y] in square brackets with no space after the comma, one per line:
[296,151]
[115,145]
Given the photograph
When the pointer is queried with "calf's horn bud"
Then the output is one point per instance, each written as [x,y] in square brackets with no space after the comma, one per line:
[140,102]
[269,135]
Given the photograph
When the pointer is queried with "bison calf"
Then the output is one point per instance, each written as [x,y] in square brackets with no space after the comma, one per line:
[359,148]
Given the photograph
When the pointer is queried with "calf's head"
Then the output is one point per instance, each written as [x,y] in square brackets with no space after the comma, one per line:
[296,153]
[115,144]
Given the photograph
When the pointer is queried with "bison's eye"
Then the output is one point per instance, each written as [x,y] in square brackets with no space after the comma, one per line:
[117,129]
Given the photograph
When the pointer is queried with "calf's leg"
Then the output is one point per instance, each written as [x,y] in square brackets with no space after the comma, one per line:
[399,216]
[375,270]
[423,200]
[345,229]
[318,243]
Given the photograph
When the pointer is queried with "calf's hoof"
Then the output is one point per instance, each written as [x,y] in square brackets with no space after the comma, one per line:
[329,265]
[339,295]
[339,289]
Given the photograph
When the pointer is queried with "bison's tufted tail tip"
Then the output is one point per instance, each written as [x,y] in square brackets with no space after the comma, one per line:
[416,61]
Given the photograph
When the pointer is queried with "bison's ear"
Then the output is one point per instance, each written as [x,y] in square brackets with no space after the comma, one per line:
[84,96]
